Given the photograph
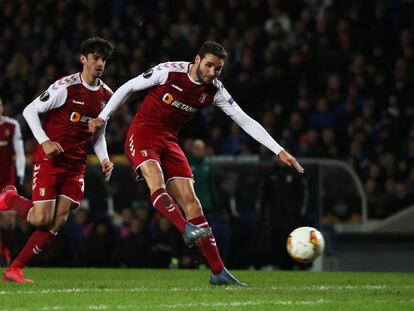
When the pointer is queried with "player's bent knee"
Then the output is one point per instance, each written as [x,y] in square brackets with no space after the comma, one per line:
[40,219]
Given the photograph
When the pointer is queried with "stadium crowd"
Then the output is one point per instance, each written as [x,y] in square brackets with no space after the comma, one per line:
[328,79]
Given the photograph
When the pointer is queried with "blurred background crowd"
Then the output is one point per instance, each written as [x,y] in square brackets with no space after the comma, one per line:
[327,79]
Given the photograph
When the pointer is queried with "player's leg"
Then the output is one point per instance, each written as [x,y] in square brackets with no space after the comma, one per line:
[139,149]
[51,215]
[182,191]
[41,215]
[7,223]
[151,171]
[11,200]
[44,235]
[163,202]
[43,195]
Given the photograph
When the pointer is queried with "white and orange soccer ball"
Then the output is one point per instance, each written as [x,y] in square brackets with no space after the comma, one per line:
[305,244]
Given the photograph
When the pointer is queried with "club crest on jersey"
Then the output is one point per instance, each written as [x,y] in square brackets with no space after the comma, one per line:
[42,192]
[203,98]
[45,96]
[144,153]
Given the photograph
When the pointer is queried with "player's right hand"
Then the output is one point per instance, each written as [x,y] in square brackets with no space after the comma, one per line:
[107,168]
[95,125]
[290,160]
[52,148]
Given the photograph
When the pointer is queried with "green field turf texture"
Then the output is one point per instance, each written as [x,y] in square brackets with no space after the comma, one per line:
[143,289]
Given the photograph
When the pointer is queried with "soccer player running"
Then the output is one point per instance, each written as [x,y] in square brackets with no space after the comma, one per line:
[11,144]
[59,157]
[177,90]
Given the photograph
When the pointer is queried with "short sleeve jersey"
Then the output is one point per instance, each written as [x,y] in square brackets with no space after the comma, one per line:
[174,97]
[69,104]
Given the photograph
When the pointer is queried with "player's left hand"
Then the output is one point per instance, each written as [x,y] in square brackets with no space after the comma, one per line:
[290,160]
[107,168]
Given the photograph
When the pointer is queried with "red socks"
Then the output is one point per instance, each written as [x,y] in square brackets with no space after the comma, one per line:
[20,204]
[38,242]
[164,204]
[208,247]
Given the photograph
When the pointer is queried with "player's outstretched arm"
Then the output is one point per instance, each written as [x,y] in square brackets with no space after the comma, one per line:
[257,131]
[290,160]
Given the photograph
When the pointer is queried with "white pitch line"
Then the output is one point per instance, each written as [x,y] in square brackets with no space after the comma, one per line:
[234,304]
[340,287]
[99,290]
[199,289]
[221,305]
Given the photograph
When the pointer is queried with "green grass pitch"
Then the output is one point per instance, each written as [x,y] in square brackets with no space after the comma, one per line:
[143,289]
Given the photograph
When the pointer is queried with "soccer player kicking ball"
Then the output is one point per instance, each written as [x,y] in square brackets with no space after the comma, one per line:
[59,158]
[177,90]
[11,144]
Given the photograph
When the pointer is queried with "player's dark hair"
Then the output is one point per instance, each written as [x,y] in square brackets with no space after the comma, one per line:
[211,47]
[97,45]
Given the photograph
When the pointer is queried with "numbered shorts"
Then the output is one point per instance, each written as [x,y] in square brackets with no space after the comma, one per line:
[49,182]
[143,145]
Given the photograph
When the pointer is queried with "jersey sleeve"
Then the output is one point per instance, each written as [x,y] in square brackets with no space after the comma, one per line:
[99,145]
[54,97]
[223,100]
[150,78]
[19,151]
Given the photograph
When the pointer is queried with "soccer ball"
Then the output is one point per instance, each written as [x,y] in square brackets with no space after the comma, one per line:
[305,244]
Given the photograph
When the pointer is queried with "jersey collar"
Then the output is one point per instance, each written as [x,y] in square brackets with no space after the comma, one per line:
[189,77]
[91,87]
